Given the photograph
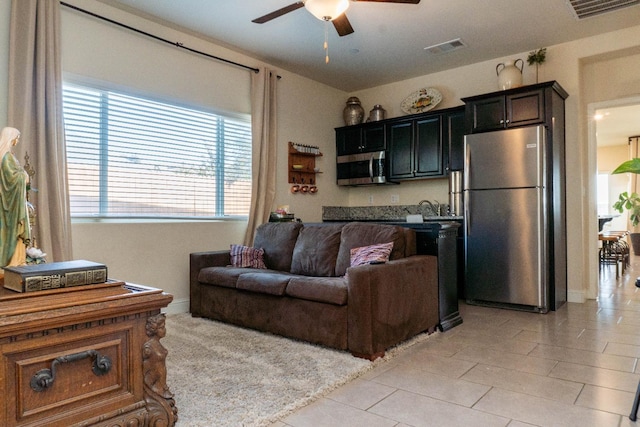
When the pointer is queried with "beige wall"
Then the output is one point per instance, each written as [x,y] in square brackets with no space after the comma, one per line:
[309,111]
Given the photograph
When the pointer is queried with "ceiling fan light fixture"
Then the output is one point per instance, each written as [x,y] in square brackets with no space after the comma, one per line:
[326,10]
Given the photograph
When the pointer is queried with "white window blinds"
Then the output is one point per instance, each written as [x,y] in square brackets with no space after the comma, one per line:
[134,157]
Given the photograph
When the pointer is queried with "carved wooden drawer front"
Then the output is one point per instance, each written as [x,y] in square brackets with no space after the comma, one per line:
[76,357]
[74,371]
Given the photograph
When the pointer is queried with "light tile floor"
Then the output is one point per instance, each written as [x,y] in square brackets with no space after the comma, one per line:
[577,366]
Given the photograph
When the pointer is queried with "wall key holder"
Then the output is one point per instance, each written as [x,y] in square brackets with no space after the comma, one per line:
[44,378]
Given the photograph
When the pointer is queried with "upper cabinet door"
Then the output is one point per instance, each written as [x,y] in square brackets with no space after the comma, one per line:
[428,149]
[373,137]
[360,139]
[453,124]
[348,140]
[486,114]
[400,139]
[525,109]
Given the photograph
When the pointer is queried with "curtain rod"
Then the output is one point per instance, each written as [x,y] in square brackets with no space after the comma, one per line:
[177,44]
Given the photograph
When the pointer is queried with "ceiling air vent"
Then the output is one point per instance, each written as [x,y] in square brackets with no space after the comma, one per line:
[446,47]
[587,8]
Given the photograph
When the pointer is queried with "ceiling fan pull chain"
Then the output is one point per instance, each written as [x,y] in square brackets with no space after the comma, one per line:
[326,41]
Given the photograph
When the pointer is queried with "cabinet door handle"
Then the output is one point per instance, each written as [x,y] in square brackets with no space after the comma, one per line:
[44,378]
[508,121]
[501,121]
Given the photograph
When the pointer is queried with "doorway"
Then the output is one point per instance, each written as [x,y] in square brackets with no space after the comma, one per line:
[611,123]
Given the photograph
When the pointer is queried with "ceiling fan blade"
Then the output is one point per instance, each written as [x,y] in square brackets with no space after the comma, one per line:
[273,15]
[393,1]
[342,25]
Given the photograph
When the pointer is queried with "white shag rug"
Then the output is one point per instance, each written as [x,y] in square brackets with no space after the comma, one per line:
[224,375]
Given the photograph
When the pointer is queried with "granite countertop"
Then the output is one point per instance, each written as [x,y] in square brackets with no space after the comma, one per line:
[395,213]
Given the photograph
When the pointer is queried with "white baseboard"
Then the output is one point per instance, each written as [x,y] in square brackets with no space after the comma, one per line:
[576,296]
[177,306]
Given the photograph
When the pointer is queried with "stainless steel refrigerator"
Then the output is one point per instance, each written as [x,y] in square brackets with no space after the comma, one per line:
[507,227]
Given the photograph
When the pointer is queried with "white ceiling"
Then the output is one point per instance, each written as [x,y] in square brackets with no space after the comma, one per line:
[389,39]
[617,124]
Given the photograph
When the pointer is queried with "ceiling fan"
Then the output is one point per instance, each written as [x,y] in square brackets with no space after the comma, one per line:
[325,10]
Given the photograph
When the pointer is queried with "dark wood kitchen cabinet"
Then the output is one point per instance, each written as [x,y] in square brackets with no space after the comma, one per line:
[417,148]
[454,136]
[400,137]
[440,239]
[363,138]
[517,107]
[427,146]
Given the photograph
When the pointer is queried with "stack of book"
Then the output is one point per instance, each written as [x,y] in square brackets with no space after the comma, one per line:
[39,277]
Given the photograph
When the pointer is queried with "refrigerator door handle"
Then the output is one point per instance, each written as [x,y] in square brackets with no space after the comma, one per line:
[371,167]
[467,214]
[467,167]
[542,253]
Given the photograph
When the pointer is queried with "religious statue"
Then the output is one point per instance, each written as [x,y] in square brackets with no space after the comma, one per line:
[15,230]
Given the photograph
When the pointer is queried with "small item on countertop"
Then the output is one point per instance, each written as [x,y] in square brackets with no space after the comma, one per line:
[415,218]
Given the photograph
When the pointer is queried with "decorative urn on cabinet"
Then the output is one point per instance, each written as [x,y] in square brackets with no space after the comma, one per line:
[378,113]
[353,113]
[509,74]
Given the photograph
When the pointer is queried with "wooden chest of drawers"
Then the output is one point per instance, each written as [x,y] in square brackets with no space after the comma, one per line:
[84,356]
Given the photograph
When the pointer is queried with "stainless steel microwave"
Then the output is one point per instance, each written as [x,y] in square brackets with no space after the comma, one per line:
[363,168]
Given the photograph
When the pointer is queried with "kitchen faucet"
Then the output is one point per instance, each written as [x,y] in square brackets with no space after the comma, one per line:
[434,207]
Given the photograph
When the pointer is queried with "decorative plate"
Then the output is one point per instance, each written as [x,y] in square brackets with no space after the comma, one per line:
[421,101]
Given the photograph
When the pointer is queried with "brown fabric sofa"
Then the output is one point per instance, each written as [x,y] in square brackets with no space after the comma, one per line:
[304,293]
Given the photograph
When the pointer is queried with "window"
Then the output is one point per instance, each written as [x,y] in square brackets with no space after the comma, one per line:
[603,194]
[138,158]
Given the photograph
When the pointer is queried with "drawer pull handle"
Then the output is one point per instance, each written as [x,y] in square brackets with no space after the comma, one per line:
[44,378]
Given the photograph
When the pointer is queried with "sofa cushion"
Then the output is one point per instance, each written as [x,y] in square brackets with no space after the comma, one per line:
[271,283]
[331,290]
[220,276]
[316,250]
[245,256]
[358,234]
[278,240]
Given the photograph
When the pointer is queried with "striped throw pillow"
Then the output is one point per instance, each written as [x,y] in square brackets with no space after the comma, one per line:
[245,256]
[374,254]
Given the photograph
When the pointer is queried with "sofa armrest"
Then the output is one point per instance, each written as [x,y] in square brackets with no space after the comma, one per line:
[198,261]
[388,303]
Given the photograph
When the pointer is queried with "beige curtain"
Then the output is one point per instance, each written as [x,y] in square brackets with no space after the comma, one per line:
[263,128]
[35,108]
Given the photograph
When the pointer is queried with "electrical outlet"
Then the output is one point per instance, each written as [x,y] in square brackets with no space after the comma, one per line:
[371,199]
[395,198]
